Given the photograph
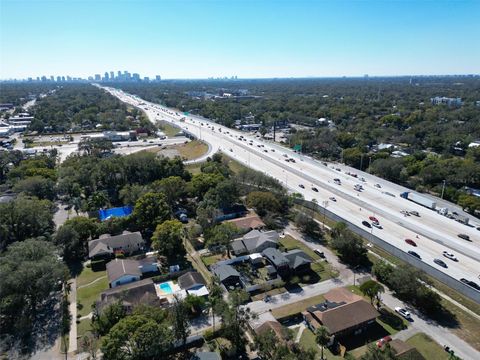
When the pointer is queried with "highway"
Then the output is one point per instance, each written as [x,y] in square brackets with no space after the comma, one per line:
[432,232]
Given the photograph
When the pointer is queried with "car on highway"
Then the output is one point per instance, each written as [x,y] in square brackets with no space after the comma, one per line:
[464,237]
[383,341]
[470,283]
[265,150]
[450,256]
[378,186]
[292,160]
[366,223]
[414,254]
[332,198]
[337,181]
[302,186]
[315,189]
[411,242]
[377,225]
[338,169]
[440,263]
[373,219]
[404,212]
[414,213]
[403,312]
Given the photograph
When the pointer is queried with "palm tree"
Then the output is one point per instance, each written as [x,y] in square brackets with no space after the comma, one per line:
[215,297]
[322,337]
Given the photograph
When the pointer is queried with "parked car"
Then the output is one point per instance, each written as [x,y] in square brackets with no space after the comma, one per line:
[450,256]
[440,263]
[464,237]
[406,314]
[413,253]
[366,223]
[383,341]
[410,242]
[319,253]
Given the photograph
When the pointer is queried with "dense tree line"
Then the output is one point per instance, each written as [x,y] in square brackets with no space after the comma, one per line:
[82,107]
[18,94]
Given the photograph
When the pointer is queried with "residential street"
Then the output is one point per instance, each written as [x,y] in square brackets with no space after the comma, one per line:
[440,334]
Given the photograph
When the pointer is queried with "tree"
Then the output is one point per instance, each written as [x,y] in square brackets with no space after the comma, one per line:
[194,304]
[168,239]
[137,337]
[372,289]
[129,194]
[69,241]
[263,202]
[174,188]
[201,183]
[375,353]
[30,274]
[179,319]
[221,234]
[350,248]
[150,210]
[25,217]
[268,346]
[215,299]
[322,337]
[38,186]
[111,315]
[90,344]
[307,224]
[382,271]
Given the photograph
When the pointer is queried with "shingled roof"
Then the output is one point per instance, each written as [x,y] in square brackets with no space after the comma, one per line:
[106,243]
[191,278]
[120,267]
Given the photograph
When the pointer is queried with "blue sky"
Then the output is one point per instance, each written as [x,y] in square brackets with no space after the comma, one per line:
[257,38]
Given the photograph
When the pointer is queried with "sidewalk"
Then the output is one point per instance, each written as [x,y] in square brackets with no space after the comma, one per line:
[72,345]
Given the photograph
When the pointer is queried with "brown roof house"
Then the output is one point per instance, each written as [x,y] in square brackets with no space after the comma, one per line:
[251,222]
[106,246]
[342,313]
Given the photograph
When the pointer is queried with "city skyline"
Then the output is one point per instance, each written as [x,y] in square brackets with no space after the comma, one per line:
[248,39]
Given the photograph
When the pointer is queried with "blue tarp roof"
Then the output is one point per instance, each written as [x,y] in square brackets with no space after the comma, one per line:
[114,212]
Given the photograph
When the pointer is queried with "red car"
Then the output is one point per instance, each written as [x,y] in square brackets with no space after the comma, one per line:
[410,242]
[383,341]
[373,219]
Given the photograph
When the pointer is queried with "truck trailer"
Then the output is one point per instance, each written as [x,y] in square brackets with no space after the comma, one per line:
[421,200]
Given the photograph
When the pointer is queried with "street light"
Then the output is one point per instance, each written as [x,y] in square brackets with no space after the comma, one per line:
[443,187]
[325,205]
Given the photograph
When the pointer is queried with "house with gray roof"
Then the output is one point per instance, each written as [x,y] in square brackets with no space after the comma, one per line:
[193,283]
[106,246]
[287,263]
[255,242]
[227,274]
[124,271]
[299,262]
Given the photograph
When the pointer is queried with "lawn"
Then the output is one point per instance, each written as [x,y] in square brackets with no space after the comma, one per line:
[168,129]
[212,259]
[296,307]
[290,243]
[307,341]
[427,347]
[194,168]
[192,150]
[86,296]
[87,276]
[83,327]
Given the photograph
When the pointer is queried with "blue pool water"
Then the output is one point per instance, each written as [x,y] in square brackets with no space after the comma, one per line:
[166,287]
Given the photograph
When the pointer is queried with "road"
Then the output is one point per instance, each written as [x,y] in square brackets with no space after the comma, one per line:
[432,232]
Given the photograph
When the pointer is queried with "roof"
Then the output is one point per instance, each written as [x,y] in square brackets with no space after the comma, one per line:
[249,222]
[204,355]
[297,258]
[237,208]
[190,279]
[138,292]
[346,316]
[274,326]
[275,257]
[199,291]
[225,271]
[120,267]
[123,240]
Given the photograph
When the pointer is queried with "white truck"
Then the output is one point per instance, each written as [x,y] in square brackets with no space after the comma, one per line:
[422,200]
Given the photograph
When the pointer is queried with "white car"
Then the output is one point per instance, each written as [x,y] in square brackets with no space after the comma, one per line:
[450,256]
[377,225]
[406,314]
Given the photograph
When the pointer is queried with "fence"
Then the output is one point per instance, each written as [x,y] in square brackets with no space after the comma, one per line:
[430,270]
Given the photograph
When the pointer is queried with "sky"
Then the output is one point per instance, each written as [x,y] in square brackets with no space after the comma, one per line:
[248,39]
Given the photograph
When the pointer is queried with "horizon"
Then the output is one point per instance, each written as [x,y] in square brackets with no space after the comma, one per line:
[251,40]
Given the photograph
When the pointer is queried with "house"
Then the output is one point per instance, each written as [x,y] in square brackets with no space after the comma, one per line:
[342,313]
[231,212]
[277,328]
[106,246]
[299,262]
[404,350]
[278,260]
[193,283]
[248,223]
[228,276]
[122,271]
[130,295]
[255,242]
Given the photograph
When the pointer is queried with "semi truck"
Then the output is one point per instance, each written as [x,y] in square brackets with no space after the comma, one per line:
[422,200]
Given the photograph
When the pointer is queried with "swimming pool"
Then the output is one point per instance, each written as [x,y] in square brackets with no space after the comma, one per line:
[165,287]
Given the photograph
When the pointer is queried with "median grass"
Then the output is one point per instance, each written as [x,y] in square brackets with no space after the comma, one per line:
[168,129]
[192,150]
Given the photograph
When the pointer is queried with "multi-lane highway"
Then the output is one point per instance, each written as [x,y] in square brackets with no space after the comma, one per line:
[431,232]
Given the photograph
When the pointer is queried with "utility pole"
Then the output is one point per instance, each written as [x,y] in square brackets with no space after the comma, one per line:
[443,187]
